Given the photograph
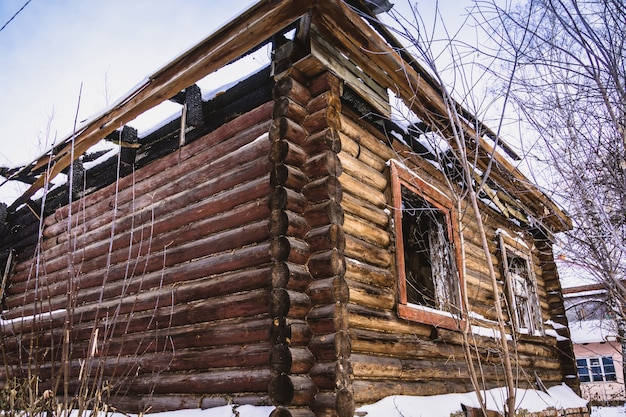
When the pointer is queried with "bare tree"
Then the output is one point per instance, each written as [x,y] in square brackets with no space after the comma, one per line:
[567,60]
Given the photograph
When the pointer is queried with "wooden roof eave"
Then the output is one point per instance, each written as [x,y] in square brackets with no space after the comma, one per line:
[386,65]
[232,40]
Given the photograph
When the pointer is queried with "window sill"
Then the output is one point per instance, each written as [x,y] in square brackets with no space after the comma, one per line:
[430,316]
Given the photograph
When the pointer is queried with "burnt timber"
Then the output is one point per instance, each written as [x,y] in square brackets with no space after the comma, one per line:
[251,256]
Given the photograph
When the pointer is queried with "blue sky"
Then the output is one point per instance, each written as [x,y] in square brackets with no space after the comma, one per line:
[54,46]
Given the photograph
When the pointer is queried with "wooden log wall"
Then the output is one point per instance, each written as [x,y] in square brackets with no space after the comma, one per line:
[161,281]
[389,355]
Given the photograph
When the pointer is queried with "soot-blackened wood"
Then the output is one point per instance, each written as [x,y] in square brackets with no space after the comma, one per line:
[329,375]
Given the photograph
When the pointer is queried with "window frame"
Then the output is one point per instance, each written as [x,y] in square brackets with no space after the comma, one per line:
[403,177]
[516,248]
[590,375]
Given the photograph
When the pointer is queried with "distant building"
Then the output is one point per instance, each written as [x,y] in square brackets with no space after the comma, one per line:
[596,346]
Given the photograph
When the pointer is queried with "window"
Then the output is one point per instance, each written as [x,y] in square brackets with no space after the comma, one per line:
[523,301]
[428,274]
[599,369]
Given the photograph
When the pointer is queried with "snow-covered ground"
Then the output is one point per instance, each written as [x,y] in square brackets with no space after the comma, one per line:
[559,397]
[608,412]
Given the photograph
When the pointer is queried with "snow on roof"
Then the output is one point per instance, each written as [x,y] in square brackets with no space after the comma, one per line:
[592,331]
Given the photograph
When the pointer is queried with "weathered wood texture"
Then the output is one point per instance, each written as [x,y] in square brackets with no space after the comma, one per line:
[391,355]
[161,282]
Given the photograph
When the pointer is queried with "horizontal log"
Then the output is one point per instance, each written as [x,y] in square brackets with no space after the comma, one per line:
[322,165]
[103,269]
[336,402]
[370,391]
[415,345]
[285,303]
[362,153]
[324,140]
[144,225]
[328,291]
[207,382]
[323,100]
[249,125]
[372,139]
[327,264]
[287,223]
[366,252]
[321,189]
[365,230]
[289,249]
[284,198]
[371,296]
[332,375]
[291,390]
[166,185]
[362,172]
[376,367]
[328,319]
[290,276]
[285,107]
[281,411]
[241,330]
[291,88]
[330,347]
[324,214]
[362,191]
[286,129]
[326,81]
[326,238]
[327,117]
[288,176]
[291,360]
[369,274]
[284,151]
[290,331]
[365,210]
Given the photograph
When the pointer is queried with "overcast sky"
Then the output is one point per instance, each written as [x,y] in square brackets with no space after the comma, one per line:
[52,47]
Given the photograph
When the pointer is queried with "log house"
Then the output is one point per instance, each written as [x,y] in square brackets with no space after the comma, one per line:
[284,243]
